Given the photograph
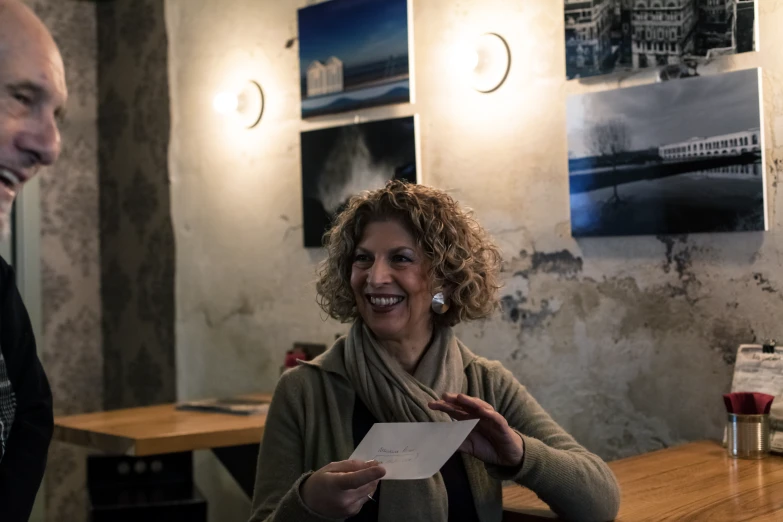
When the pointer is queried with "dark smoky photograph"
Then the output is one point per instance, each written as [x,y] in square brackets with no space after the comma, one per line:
[339,162]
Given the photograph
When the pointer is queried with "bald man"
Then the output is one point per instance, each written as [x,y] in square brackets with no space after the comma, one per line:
[32,95]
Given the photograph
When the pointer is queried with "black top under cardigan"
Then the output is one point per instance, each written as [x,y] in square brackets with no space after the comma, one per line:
[461,507]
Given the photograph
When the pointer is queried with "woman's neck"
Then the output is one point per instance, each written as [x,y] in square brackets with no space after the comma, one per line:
[408,351]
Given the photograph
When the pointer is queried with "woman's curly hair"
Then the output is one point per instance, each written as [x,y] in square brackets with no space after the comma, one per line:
[462,256]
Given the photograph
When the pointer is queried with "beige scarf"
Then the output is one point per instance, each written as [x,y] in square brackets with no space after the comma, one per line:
[394,395]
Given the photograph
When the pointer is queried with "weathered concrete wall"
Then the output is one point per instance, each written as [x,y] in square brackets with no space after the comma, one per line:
[627,342]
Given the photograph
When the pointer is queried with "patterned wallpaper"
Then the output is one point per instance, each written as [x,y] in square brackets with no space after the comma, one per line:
[137,242]
[71,350]
[107,242]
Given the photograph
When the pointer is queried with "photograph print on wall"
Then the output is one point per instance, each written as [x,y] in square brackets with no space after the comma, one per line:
[354,54]
[340,162]
[668,158]
[678,36]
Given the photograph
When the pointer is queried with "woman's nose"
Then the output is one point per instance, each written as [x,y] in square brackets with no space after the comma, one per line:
[379,274]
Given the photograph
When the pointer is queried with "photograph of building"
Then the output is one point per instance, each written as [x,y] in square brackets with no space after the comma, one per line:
[588,34]
[339,162]
[668,158]
[354,54]
[604,36]
[722,145]
[325,78]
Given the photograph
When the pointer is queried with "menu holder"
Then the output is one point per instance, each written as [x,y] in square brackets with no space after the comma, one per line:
[232,405]
[759,368]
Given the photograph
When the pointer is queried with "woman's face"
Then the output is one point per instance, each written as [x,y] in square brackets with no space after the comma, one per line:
[390,282]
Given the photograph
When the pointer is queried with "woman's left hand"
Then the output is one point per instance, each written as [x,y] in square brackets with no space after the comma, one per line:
[492,440]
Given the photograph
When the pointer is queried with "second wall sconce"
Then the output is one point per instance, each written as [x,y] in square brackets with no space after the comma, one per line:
[491,62]
[247,105]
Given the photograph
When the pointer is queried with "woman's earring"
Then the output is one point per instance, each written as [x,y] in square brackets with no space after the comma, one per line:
[439,304]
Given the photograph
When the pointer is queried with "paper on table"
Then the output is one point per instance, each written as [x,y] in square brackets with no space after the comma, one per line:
[412,450]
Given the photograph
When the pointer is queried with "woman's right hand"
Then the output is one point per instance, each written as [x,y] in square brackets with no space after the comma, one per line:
[340,489]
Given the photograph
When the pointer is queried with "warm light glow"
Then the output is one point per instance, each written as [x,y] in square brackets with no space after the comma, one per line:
[472,59]
[244,106]
[225,102]
[492,62]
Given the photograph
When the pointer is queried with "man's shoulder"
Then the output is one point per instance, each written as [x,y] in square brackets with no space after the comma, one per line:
[6,273]
[5,268]
[6,278]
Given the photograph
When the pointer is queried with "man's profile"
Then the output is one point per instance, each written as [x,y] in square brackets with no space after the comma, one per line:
[32,96]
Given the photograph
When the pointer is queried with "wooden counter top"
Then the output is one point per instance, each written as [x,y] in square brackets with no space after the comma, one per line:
[695,482]
[154,430]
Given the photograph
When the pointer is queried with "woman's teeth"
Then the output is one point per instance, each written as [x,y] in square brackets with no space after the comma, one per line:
[385,301]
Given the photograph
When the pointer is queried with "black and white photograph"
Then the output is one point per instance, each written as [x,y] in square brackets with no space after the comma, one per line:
[677,36]
[668,158]
[339,162]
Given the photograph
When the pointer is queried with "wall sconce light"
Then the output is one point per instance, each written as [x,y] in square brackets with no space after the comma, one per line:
[246,105]
[490,62]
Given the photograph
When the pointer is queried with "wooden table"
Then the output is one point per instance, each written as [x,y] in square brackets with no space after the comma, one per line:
[163,430]
[694,482]
[155,430]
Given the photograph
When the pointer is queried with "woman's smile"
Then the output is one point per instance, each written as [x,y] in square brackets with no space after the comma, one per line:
[384,303]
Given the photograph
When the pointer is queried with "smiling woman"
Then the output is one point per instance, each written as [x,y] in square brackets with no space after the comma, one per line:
[404,264]
[453,252]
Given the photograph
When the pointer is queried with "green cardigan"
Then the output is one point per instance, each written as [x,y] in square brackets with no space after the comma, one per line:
[309,425]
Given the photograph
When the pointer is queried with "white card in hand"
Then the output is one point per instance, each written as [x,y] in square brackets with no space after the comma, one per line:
[412,450]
